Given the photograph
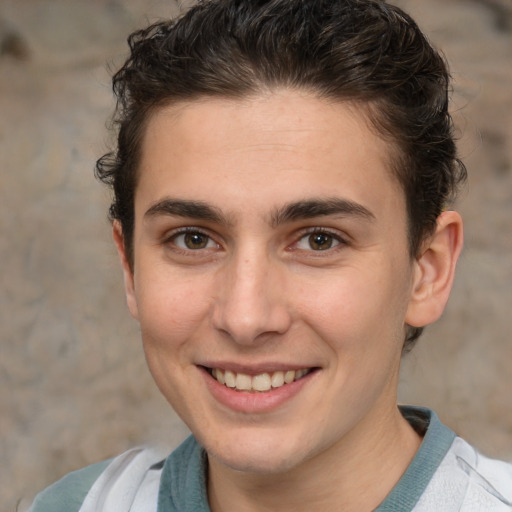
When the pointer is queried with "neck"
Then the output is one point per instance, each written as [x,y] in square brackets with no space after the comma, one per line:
[356,474]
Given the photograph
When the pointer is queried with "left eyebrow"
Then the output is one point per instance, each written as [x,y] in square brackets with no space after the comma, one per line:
[311,208]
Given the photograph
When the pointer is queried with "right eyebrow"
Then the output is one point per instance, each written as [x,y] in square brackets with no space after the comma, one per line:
[186,208]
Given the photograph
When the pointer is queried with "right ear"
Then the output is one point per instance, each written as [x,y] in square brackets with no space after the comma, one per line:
[129,285]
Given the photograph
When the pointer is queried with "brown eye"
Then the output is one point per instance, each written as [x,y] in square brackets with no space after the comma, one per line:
[320,241]
[193,241]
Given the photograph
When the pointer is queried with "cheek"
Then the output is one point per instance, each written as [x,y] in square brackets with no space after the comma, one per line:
[173,314]
[358,309]
[170,309]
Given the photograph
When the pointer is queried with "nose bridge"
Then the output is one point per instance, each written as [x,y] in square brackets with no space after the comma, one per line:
[250,301]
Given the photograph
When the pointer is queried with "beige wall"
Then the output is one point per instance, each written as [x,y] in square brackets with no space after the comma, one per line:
[73,383]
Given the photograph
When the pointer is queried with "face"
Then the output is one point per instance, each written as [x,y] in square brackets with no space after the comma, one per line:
[271,277]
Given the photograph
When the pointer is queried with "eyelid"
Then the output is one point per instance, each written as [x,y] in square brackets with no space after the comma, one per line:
[171,235]
[339,237]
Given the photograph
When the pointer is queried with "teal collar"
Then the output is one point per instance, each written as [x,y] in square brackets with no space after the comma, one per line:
[436,443]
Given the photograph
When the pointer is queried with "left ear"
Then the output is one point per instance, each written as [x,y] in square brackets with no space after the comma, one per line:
[434,271]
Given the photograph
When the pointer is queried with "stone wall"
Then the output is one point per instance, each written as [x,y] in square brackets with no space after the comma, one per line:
[73,384]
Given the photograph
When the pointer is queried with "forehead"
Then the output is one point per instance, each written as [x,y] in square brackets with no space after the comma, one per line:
[263,148]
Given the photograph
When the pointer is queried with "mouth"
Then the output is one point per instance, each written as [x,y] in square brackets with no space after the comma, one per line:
[259,383]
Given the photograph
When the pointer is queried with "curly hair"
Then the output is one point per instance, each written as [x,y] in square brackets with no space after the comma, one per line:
[364,51]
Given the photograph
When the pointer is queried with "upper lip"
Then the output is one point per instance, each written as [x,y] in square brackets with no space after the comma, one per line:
[255,369]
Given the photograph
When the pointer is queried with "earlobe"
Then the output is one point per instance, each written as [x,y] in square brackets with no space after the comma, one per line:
[434,271]
[129,285]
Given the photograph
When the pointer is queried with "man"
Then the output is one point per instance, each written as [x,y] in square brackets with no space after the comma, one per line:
[282,183]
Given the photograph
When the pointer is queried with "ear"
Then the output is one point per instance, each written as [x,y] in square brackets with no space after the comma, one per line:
[129,286]
[434,271]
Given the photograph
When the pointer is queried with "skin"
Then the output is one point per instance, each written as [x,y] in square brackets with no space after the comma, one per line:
[251,292]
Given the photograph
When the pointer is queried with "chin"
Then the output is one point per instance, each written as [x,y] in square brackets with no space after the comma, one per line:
[258,453]
[256,463]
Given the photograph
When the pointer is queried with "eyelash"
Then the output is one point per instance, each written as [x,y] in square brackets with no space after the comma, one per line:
[335,236]
[189,230]
[308,232]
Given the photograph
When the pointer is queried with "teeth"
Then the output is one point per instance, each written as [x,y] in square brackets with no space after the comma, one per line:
[277,379]
[300,373]
[261,382]
[229,378]
[219,375]
[289,376]
[243,382]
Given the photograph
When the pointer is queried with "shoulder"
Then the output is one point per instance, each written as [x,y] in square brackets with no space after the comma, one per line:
[183,483]
[84,489]
[467,481]
[67,495]
[487,477]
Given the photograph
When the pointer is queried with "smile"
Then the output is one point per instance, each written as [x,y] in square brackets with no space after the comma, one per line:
[257,383]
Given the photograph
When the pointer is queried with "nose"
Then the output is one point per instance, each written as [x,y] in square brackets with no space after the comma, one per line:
[251,305]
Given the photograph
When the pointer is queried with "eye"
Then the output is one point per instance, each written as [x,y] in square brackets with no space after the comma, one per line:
[318,241]
[193,241]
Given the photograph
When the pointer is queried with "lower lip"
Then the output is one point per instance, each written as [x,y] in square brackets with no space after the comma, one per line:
[256,402]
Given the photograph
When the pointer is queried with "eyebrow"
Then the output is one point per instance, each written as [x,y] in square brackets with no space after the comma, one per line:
[299,210]
[187,208]
[311,208]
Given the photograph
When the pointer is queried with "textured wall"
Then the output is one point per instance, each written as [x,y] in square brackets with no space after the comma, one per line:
[73,384]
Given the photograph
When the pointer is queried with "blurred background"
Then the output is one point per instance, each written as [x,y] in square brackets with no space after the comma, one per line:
[74,388]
